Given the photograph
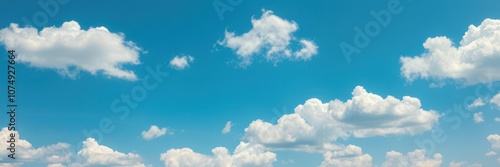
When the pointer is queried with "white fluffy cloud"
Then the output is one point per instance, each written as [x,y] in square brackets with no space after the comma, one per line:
[272,35]
[350,156]
[244,155]
[415,158]
[478,117]
[69,49]
[496,100]
[497,119]
[476,103]
[494,139]
[475,60]
[227,127]
[153,132]
[181,62]
[52,154]
[315,125]
[94,154]
[60,154]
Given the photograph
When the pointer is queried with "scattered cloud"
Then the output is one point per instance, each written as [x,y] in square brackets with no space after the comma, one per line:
[477,103]
[475,60]
[245,154]
[414,158]
[350,156]
[181,62]
[287,162]
[61,154]
[496,100]
[464,164]
[315,125]
[478,117]
[227,127]
[52,154]
[93,154]
[12,164]
[491,153]
[494,139]
[270,34]
[309,49]
[153,132]
[69,49]
[497,119]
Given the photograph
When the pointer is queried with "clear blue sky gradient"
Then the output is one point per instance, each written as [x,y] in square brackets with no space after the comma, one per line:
[195,103]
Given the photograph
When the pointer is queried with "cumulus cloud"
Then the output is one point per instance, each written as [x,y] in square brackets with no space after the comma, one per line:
[181,62]
[273,36]
[69,49]
[94,154]
[476,103]
[25,152]
[227,127]
[496,100]
[494,139]
[315,125]
[350,156]
[153,132]
[244,155]
[415,158]
[478,117]
[61,154]
[497,119]
[475,60]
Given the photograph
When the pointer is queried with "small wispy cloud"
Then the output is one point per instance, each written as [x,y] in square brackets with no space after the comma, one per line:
[181,62]
[153,132]
[477,103]
[478,117]
[227,127]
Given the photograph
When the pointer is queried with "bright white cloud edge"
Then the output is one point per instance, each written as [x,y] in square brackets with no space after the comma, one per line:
[315,126]
[153,132]
[61,154]
[69,49]
[181,62]
[271,36]
[475,60]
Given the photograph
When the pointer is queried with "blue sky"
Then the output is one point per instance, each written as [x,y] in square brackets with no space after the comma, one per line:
[424,89]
